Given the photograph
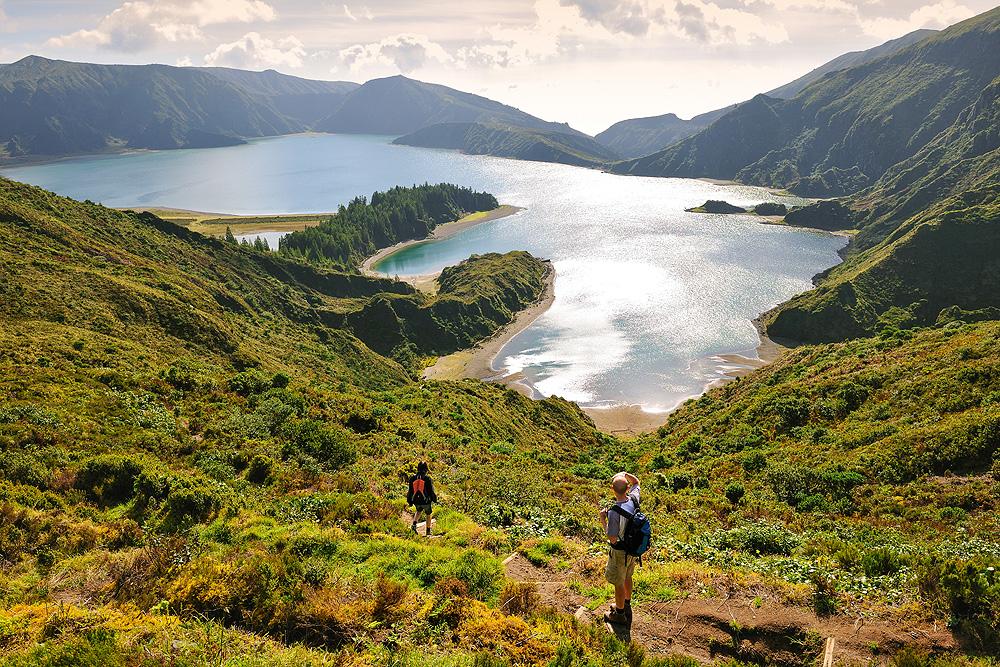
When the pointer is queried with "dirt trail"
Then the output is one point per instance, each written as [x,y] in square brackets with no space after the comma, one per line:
[747,628]
[407,519]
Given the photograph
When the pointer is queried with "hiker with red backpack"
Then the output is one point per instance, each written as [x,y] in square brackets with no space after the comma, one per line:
[627,530]
[421,495]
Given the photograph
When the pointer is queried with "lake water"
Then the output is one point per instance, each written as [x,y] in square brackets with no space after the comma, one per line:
[646,294]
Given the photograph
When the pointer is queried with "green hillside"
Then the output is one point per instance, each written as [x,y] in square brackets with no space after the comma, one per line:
[843,132]
[926,241]
[852,465]
[53,107]
[398,105]
[638,137]
[512,142]
[198,465]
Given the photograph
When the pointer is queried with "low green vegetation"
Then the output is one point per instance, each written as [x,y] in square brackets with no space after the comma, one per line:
[202,461]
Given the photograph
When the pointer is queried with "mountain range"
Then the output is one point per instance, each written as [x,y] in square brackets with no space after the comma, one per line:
[54,108]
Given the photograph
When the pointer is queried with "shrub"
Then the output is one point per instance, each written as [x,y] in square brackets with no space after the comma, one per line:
[760,538]
[24,469]
[754,461]
[851,396]
[190,501]
[973,594]
[261,467]
[109,479]
[29,496]
[735,493]
[881,562]
[791,411]
[680,481]
[481,572]
[325,443]
[249,382]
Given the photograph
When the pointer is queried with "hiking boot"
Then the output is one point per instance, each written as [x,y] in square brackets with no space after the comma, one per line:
[413,527]
[628,610]
[616,616]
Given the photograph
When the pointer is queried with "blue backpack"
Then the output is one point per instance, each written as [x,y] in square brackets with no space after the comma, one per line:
[635,539]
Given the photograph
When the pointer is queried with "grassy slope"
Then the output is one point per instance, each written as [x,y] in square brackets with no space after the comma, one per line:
[234,485]
[927,238]
[156,381]
[504,140]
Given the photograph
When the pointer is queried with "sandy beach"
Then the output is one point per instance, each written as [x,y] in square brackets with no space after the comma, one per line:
[630,420]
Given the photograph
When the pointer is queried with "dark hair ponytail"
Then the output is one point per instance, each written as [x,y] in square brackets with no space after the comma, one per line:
[422,468]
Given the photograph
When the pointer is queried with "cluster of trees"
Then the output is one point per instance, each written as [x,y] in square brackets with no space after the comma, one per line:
[362,227]
[258,243]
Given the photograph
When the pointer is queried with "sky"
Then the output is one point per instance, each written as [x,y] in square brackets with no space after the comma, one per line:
[590,63]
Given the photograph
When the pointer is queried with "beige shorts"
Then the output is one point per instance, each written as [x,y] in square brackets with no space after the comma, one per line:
[620,566]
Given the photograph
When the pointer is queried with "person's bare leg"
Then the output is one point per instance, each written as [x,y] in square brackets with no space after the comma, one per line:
[620,597]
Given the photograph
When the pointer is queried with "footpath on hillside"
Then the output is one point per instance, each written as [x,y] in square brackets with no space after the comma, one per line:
[741,623]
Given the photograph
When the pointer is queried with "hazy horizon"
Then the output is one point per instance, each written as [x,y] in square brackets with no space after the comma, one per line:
[590,63]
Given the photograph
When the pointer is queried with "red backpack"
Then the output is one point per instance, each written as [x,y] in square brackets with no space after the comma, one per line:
[418,492]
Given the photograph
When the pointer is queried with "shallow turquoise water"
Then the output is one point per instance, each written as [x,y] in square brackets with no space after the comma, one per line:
[646,294]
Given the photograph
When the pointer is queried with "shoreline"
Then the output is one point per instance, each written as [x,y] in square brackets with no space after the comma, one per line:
[427,281]
[477,362]
[629,420]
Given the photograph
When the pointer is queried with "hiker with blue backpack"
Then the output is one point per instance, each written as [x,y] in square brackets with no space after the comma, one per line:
[628,531]
[421,495]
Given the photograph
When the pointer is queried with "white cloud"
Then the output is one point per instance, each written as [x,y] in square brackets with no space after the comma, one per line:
[360,13]
[408,52]
[6,25]
[255,52]
[935,16]
[616,16]
[141,25]
[812,5]
[709,24]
